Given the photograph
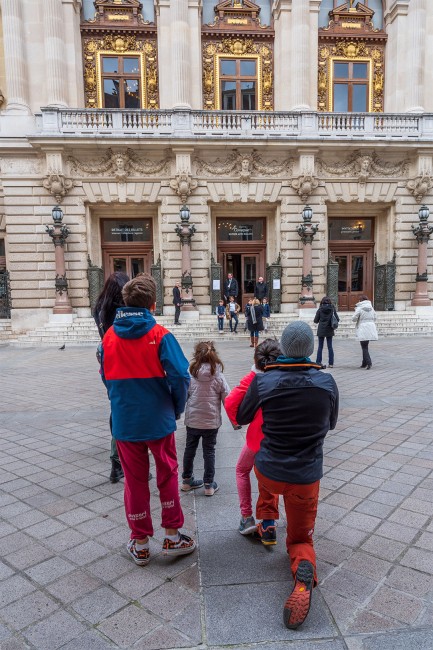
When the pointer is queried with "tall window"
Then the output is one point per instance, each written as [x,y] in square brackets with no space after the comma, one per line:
[121,81]
[238,79]
[350,86]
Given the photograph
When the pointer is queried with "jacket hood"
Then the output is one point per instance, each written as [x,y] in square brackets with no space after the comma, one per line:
[133,322]
[365,305]
[204,373]
[327,309]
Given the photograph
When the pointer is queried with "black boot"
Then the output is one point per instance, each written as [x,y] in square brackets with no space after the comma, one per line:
[116,471]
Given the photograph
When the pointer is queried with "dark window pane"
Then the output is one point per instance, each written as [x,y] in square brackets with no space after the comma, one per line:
[231,229]
[131,65]
[119,264]
[111,93]
[360,71]
[137,266]
[132,93]
[110,64]
[342,272]
[357,280]
[228,95]
[228,67]
[359,97]
[248,93]
[343,229]
[248,68]
[123,231]
[2,248]
[341,70]
[341,98]
[249,273]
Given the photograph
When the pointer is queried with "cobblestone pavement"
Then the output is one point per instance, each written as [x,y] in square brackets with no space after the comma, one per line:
[65,579]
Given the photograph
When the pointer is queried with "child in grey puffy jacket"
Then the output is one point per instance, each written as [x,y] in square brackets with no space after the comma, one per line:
[207,391]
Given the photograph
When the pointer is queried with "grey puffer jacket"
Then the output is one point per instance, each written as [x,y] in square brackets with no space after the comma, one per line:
[364,318]
[205,395]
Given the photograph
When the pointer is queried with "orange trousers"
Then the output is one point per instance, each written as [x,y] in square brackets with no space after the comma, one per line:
[300,502]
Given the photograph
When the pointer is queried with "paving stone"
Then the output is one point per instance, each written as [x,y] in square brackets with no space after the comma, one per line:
[388,549]
[392,530]
[396,604]
[163,638]
[418,559]
[30,609]
[366,622]
[54,631]
[99,604]
[49,570]
[88,641]
[13,588]
[64,540]
[128,626]
[349,585]
[86,552]
[367,565]
[168,600]
[74,585]
[5,571]
[139,582]
[421,640]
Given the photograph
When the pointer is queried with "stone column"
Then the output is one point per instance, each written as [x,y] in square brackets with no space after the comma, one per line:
[422,232]
[59,233]
[180,62]
[282,71]
[55,64]
[300,58]
[185,231]
[417,36]
[16,76]
[306,231]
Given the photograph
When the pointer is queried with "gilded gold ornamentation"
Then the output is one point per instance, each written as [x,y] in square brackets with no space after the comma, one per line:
[346,49]
[114,43]
[237,47]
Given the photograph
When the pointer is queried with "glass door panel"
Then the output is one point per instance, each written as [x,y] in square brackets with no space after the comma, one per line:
[137,266]
[132,265]
[351,279]
[119,264]
[249,276]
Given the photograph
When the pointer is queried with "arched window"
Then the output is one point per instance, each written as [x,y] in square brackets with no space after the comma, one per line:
[327,5]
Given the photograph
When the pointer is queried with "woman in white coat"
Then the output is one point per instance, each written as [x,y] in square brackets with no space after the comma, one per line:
[366,331]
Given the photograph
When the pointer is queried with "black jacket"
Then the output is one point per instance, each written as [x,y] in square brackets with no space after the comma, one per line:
[233,290]
[261,290]
[323,317]
[299,405]
[258,325]
[176,296]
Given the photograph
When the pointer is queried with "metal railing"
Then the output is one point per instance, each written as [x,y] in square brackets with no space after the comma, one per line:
[238,124]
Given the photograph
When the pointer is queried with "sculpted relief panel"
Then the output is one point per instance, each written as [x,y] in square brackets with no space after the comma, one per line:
[120,165]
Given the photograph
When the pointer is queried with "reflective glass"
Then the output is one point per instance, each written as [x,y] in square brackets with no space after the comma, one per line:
[354,229]
[228,67]
[341,98]
[240,229]
[119,264]
[110,64]
[131,65]
[137,266]
[126,231]
[248,93]
[229,95]
[341,70]
[342,272]
[111,93]
[359,98]
[248,68]
[357,279]
[249,274]
[132,93]
[360,70]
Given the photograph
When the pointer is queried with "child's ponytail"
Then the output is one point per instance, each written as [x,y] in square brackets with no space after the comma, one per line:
[204,352]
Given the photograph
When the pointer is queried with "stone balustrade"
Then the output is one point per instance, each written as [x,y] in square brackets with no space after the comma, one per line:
[185,123]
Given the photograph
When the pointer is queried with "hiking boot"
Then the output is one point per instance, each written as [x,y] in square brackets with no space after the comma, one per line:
[268,536]
[191,484]
[140,557]
[210,489]
[298,603]
[247,525]
[182,546]
[116,471]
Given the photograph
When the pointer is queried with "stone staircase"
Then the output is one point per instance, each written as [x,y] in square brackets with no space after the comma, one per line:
[83,330]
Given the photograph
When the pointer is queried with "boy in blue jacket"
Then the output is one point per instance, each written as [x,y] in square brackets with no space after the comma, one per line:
[147,379]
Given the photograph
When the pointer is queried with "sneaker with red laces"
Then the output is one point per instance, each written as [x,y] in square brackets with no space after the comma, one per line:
[182,546]
[268,536]
[297,605]
[140,557]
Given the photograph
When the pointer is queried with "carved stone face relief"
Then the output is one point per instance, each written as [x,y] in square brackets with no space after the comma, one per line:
[57,185]
[119,164]
[419,186]
[362,167]
[243,166]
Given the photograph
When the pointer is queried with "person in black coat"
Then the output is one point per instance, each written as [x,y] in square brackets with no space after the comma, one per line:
[261,289]
[324,317]
[177,301]
[231,287]
[255,321]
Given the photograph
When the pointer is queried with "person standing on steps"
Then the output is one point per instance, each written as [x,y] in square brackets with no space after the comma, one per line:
[231,287]
[177,301]
[299,406]
[232,311]
[324,316]
[104,313]
[365,319]
[261,289]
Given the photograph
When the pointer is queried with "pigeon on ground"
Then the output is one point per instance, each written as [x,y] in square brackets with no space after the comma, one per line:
[63,347]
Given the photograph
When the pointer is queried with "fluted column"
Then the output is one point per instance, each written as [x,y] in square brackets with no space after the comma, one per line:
[417,32]
[301,54]
[17,91]
[282,72]
[180,63]
[55,65]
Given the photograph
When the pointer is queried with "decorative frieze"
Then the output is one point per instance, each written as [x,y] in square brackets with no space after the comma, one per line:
[243,166]
[362,166]
[120,165]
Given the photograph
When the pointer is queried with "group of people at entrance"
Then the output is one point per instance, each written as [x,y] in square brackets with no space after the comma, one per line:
[286,400]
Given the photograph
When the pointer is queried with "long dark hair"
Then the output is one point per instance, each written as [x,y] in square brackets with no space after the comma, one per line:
[110,299]
[204,352]
[326,301]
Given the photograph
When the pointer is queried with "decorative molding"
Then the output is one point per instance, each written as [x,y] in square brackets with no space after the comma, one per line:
[362,166]
[119,164]
[57,185]
[183,185]
[243,165]
[419,186]
[305,184]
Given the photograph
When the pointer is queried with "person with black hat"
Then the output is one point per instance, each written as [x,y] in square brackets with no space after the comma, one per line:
[299,405]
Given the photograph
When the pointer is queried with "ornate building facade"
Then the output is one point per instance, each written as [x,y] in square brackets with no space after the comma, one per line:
[299,134]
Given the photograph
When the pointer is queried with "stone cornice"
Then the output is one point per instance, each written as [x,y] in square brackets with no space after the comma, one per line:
[397,8]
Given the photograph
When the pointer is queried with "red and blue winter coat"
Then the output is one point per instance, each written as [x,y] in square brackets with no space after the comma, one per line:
[146,375]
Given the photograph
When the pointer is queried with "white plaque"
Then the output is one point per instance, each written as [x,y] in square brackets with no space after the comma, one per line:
[276,283]
[216,285]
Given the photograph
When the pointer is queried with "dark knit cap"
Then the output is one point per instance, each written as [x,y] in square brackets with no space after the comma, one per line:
[297,340]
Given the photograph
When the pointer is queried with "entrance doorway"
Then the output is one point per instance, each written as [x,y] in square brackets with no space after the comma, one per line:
[127,246]
[245,268]
[353,278]
[132,265]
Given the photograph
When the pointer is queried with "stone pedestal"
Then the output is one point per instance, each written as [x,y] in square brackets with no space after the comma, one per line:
[306,231]
[422,232]
[185,231]
[59,233]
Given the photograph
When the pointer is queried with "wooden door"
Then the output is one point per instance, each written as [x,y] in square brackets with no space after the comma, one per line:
[355,277]
[131,264]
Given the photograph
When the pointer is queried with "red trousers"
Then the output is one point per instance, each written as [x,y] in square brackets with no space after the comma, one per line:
[300,502]
[134,457]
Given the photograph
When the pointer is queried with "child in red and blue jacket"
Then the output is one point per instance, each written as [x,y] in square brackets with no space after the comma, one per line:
[147,379]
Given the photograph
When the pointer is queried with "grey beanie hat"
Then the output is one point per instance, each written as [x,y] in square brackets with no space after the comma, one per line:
[297,340]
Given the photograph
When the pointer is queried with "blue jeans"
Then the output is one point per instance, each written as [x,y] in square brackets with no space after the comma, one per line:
[220,323]
[330,350]
[236,319]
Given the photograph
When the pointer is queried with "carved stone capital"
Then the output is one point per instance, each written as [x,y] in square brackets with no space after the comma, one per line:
[57,185]
[305,184]
[419,186]
[183,185]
